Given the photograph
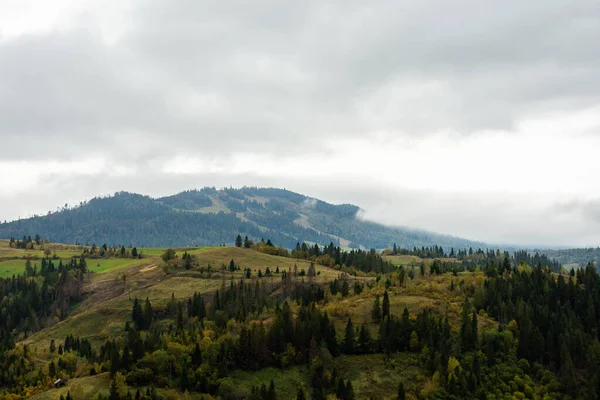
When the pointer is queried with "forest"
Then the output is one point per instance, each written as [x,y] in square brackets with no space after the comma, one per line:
[505,328]
[213,217]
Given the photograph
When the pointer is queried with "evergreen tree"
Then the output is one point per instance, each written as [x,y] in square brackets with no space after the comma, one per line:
[52,369]
[466,327]
[364,340]
[114,391]
[401,392]
[376,311]
[238,241]
[148,314]
[340,392]
[272,394]
[349,391]
[474,331]
[385,306]
[311,272]
[348,345]
[137,314]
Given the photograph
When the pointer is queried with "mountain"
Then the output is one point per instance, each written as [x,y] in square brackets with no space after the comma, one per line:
[210,217]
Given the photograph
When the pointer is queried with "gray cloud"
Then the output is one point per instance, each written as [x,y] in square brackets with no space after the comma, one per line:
[214,79]
[261,76]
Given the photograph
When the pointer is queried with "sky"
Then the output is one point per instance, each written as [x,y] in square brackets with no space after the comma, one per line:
[472,118]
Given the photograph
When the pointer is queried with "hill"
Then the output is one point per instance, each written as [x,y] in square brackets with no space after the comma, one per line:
[266,323]
[210,217]
[574,257]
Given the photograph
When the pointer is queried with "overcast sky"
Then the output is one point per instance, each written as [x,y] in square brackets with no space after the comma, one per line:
[475,118]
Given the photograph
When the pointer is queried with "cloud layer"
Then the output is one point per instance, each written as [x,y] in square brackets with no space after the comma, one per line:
[469,118]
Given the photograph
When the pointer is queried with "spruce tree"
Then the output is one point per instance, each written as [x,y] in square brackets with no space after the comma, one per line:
[272,394]
[148,314]
[349,391]
[348,344]
[376,311]
[385,306]
[474,331]
[52,369]
[465,327]
[114,391]
[340,392]
[364,340]
[401,392]
[300,394]
[238,241]
[137,314]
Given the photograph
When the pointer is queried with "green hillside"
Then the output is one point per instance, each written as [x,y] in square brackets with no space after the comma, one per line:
[262,322]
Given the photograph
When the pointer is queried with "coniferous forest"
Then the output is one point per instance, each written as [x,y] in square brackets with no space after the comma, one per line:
[485,324]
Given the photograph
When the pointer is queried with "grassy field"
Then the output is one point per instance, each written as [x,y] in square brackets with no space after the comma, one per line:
[61,250]
[9,268]
[103,265]
[247,258]
[287,381]
[374,378]
[371,375]
[403,260]
[80,388]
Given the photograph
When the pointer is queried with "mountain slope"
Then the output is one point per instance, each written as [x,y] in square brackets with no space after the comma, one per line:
[210,217]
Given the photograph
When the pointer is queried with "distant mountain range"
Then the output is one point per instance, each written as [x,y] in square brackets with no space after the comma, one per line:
[211,217]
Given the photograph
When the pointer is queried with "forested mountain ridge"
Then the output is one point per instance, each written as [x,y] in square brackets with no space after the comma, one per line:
[210,216]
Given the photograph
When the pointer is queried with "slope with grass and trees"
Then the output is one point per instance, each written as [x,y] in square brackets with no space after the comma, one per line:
[261,321]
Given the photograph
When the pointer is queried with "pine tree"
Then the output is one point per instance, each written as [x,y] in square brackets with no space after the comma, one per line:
[311,272]
[465,327]
[137,314]
[52,369]
[114,391]
[349,391]
[364,340]
[401,392]
[376,311]
[474,331]
[148,314]
[348,344]
[345,289]
[385,307]
[238,241]
[340,392]
[272,394]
